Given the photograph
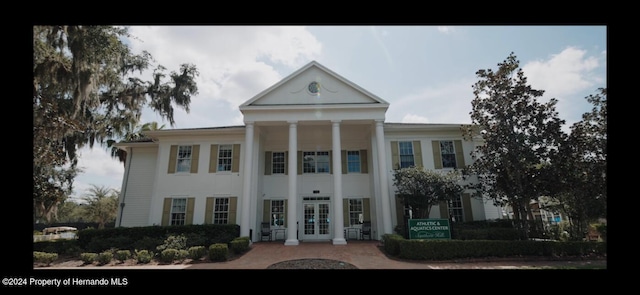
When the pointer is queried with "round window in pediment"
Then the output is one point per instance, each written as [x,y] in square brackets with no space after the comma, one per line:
[314,87]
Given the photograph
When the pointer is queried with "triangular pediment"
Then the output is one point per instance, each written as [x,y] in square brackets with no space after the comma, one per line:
[313,84]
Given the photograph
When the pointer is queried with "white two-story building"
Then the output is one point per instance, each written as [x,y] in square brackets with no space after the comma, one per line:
[313,158]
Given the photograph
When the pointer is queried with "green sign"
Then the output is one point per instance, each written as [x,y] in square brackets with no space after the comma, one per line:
[428,229]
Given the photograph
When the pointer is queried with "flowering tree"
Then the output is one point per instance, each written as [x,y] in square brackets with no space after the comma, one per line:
[420,189]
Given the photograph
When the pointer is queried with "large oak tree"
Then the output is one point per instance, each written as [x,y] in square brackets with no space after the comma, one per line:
[86,89]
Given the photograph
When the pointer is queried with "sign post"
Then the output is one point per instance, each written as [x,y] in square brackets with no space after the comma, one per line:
[429,229]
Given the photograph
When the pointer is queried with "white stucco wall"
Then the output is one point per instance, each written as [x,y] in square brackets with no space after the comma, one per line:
[198,185]
[149,183]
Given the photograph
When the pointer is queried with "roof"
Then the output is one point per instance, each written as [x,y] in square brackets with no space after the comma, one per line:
[324,73]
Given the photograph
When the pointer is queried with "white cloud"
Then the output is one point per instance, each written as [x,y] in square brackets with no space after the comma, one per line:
[226,47]
[449,104]
[563,74]
[445,29]
[99,169]
[242,85]
[411,118]
[90,159]
[235,63]
[238,120]
[569,77]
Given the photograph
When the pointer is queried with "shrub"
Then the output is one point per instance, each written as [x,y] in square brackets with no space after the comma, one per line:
[182,255]
[101,243]
[218,252]
[144,256]
[392,243]
[72,250]
[44,257]
[168,255]
[105,257]
[240,245]
[503,234]
[122,255]
[147,243]
[195,239]
[149,237]
[88,257]
[173,242]
[61,246]
[197,252]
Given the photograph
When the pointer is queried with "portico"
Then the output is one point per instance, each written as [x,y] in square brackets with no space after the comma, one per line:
[321,122]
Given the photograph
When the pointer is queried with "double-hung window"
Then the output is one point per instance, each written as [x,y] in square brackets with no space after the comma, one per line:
[455,209]
[178,211]
[225,157]
[184,158]
[277,212]
[316,162]
[221,211]
[355,212]
[353,162]
[277,163]
[406,154]
[448,154]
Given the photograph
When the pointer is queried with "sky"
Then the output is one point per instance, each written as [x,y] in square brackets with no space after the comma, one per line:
[425,73]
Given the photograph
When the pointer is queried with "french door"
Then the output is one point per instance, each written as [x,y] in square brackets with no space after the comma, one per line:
[317,223]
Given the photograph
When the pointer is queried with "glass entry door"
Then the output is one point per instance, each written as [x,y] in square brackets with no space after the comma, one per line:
[316,225]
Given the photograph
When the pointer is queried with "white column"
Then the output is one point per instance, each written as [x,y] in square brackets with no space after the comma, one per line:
[338,219]
[246,183]
[384,185]
[292,206]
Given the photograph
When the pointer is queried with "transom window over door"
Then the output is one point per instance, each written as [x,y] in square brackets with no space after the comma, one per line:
[225,157]
[184,158]
[406,154]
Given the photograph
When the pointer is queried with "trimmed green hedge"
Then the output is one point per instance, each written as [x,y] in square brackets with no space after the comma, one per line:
[149,237]
[219,252]
[240,245]
[457,249]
